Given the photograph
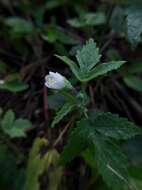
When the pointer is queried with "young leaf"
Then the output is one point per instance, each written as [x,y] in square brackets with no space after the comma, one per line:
[112,125]
[67,108]
[88,56]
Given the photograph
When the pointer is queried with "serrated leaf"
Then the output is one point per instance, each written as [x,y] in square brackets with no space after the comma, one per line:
[116,127]
[108,158]
[134,20]
[103,69]
[88,56]
[67,108]
[87,59]
[133,82]
[111,164]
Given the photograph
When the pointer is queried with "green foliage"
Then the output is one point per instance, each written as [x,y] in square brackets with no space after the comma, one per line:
[134,19]
[88,56]
[41,158]
[66,109]
[13,86]
[132,76]
[13,83]
[19,26]
[55,34]
[32,31]
[110,162]
[133,82]
[87,59]
[14,127]
[87,19]
[12,177]
[115,127]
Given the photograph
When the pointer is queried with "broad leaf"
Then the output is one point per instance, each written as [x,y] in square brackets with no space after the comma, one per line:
[112,125]
[108,159]
[67,108]
[77,142]
[111,164]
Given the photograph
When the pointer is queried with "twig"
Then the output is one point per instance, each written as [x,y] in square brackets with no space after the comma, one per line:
[63,132]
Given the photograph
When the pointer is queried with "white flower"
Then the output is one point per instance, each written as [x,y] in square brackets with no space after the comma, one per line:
[2,82]
[56,81]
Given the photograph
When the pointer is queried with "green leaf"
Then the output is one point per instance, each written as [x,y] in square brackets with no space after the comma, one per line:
[112,125]
[111,164]
[133,82]
[10,170]
[8,119]
[88,19]
[19,128]
[54,34]
[108,158]
[14,128]
[87,59]
[134,68]
[13,86]
[134,20]
[67,108]
[42,164]
[74,68]
[19,26]
[103,69]
[88,56]
[77,142]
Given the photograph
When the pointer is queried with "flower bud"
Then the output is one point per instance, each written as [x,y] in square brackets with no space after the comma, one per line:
[56,81]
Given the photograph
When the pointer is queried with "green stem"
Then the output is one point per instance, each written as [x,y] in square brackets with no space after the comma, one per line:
[69,96]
